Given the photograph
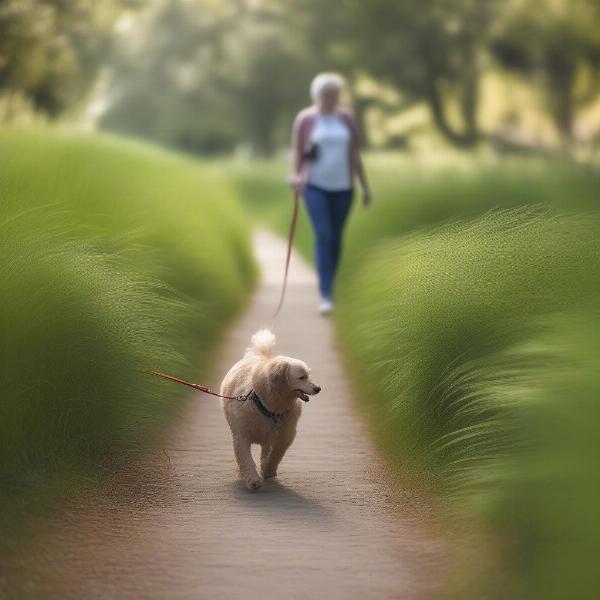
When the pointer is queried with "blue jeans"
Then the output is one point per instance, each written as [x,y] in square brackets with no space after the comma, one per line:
[328,212]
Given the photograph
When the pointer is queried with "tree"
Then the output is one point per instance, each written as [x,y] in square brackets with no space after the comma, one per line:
[558,42]
[206,76]
[267,69]
[432,51]
[51,50]
[167,86]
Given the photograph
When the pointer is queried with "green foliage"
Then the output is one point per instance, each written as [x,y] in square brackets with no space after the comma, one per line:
[431,53]
[166,85]
[50,52]
[559,41]
[545,498]
[205,76]
[116,257]
[478,340]
[413,193]
[268,75]
[440,308]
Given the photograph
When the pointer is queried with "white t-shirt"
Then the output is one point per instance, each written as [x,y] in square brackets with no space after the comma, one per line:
[331,170]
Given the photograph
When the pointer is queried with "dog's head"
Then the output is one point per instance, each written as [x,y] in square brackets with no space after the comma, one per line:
[289,378]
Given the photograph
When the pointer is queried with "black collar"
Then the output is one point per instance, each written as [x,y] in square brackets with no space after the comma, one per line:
[272,416]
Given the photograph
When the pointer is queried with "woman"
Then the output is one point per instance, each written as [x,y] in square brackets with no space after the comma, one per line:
[325,162]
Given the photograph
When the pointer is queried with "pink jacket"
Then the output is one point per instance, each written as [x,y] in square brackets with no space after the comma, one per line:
[301,142]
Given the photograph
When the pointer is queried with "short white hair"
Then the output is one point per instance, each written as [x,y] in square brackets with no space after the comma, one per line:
[323,81]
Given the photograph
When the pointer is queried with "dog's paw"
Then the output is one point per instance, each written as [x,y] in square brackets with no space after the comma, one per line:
[253,484]
[269,474]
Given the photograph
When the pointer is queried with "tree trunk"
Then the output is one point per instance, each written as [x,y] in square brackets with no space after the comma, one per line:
[561,74]
[468,106]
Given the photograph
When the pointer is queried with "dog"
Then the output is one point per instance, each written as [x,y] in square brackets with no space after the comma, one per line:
[273,386]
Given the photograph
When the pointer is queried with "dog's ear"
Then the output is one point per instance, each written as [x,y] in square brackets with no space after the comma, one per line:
[260,380]
[279,373]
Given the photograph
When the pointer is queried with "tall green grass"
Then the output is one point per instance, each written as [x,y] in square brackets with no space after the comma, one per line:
[462,322]
[431,320]
[545,500]
[115,257]
[468,309]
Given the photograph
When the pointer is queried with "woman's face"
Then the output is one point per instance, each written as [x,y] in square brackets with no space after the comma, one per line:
[329,98]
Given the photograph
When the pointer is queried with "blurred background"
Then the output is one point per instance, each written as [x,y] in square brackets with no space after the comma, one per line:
[140,142]
[211,77]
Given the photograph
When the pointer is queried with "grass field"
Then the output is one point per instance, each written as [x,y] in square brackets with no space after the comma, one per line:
[467,306]
[468,310]
[115,257]
[414,193]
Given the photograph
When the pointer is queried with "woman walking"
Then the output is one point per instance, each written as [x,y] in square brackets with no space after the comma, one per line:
[325,162]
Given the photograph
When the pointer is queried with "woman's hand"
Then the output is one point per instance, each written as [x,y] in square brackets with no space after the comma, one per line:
[367,198]
[295,181]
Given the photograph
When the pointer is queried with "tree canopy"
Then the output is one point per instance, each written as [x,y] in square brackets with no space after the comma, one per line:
[205,75]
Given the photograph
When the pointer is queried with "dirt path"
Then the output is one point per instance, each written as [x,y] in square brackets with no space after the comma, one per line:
[328,528]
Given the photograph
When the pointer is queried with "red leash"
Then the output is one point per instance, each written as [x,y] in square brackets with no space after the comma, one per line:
[197,386]
[291,235]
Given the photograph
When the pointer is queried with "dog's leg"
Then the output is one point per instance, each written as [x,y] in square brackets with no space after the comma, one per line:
[243,455]
[264,456]
[271,460]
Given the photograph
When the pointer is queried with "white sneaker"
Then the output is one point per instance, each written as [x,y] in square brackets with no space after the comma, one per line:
[326,306]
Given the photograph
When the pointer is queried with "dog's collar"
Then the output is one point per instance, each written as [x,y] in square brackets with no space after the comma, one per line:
[272,416]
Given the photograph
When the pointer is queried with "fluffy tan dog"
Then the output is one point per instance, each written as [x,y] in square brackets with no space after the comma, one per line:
[269,416]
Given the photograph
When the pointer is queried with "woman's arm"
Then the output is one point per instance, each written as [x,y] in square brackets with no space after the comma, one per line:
[362,178]
[359,168]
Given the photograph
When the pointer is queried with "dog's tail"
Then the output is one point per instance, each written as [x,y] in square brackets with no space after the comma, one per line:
[262,342]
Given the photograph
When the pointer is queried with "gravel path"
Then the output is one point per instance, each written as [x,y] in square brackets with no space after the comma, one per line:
[330,527]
